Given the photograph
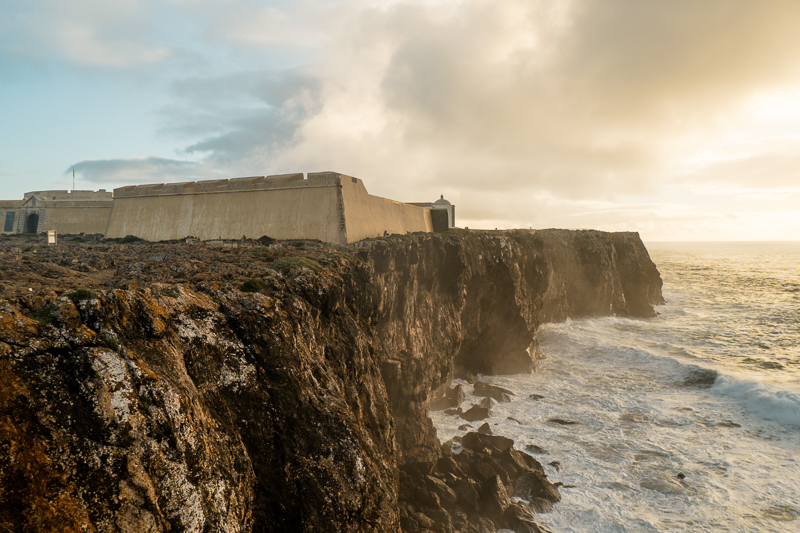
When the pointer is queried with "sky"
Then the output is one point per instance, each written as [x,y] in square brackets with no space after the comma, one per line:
[679,120]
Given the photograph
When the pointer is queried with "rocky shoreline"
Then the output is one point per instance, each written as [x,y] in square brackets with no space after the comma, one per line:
[243,386]
[480,483]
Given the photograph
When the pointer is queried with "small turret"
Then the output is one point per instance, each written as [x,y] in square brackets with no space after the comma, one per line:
[444,205]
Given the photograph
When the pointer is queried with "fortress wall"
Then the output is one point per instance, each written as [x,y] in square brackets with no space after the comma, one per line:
[47,196]
[9,206]
[63,211]
[327,206]
[300,210]
[369,216]
[79,217]
[254,183]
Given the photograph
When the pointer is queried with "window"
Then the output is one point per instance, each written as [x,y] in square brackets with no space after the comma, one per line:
[9,221]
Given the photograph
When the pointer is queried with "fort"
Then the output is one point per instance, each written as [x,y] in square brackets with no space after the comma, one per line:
[326,206]
[62,211]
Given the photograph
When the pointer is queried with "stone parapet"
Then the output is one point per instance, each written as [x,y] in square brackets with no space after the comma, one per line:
[252,183]
[326,206]
[61,195]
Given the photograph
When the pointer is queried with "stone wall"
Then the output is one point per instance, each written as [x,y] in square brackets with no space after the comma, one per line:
[369,216]
[84,217]
[309,211]
[62,211]
[327,206]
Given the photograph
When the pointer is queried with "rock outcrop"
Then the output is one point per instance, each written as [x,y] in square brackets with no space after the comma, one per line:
[471,304]
[184,387]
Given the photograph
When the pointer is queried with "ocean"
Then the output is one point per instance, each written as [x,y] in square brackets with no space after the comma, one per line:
[687,422]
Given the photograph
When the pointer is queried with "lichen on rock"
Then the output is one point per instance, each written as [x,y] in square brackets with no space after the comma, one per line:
[141,390]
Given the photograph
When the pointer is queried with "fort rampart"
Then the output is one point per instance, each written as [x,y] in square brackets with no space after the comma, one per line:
[327,206]
[62,211]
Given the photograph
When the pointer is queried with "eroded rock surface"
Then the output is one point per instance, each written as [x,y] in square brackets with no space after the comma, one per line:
[142,388]
[469,303]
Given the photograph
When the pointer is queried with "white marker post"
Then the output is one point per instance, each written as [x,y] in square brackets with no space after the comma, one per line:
[52,238]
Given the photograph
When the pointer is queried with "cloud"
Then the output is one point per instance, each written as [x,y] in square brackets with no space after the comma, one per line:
[136,170]
[763,164]
[523,111]
[577,98]
[260,115]
[90,33]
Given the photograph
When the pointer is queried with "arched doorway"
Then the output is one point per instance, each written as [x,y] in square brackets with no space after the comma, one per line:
[32,223]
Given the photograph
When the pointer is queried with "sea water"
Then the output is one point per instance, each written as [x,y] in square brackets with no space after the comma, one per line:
[689,421]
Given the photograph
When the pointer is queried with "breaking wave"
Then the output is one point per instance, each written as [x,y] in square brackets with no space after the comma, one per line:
[773,404]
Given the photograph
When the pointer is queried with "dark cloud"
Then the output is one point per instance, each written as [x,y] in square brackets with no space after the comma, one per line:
[243,121]
[589,99]
[242,116]
[668,60]
[136,170]
[529,111]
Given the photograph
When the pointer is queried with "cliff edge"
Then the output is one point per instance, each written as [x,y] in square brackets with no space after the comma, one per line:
[470,304]
[186,387]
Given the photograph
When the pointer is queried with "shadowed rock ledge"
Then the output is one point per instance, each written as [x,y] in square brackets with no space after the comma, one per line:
[456,306]
[143,389]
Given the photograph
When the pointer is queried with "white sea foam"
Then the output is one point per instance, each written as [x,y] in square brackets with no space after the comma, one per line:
[780,405]
[710,389]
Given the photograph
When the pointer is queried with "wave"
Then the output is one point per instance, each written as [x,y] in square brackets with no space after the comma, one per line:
[778,405]
[635,349]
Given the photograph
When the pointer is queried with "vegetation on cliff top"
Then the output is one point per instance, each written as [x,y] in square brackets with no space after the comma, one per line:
[286,264]
[304,404]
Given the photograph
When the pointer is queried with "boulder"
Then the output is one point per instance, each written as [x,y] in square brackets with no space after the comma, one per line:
[476,412]
[500,394]
[521,519]
[467,494]
[494,499]
[451,398]
[562,422]
[532,448]
[448,465]
[481,525]
[485,467]
[485,429]
[441,520]
[464,458]
[447,448]
[540,505]
[495,444]
[532,484]
[529,460]
[446,495]
[523,461]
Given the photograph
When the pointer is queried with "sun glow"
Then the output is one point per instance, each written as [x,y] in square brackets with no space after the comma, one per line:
[776,106]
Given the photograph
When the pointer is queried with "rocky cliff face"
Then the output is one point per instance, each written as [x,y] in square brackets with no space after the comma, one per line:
[471,304]
[189,388]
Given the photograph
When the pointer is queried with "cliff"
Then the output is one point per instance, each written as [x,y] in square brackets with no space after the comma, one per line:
[177,387]
[467,305]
